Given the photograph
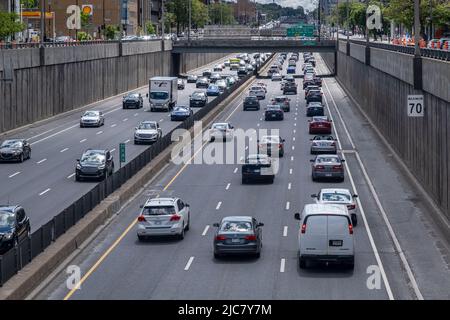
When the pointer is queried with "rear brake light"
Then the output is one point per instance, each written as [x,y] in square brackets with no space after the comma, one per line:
[175,217]
[333,144]
[220,238]
[319,167]
[337,168]
[350,229]
[280,146]
[351,206]
[141,218]
[250,238]
[303,230]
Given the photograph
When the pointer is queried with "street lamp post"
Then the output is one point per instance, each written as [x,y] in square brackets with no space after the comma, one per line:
[42,35]
[348,28]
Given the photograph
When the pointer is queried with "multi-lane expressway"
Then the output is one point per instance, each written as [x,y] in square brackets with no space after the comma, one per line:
[400,254]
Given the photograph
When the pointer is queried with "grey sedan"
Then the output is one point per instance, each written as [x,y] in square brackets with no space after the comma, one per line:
[238,235]
[324,145]
[328,166]
[92,119]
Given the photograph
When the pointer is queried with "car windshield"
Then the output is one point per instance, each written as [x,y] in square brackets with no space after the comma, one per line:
[159,95]
[133,95]
[147,126]
[327,159]
[236,226]
[212,88]
[11,144]
[257,159]
[320,119]
[197,95]
[158,211]
[270,139]
[90,114]
[273,107]
[220,126]
[336,197]
[180,108]
[6,219]
[329,138]
[93,157]
[192,77]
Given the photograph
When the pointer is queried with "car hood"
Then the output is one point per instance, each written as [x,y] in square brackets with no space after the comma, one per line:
[147,131]
[5,229]
[90,118]
[10,150]
[130,99]
[180,112]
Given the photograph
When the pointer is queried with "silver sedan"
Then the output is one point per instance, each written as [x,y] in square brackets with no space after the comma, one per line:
[324,145]
[92,119]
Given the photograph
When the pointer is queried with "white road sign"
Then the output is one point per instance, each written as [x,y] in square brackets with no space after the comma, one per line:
[415,106]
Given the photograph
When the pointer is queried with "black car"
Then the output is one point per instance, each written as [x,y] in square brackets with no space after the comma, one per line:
[317,81]
[207,73]
[273,112]
[94,164]
[242,71]
[202,83]
[251,102]
[132,100]
[15,150]
[198,99]
[314,109]
[257,167]
[290,87]
[238,235]
[14,227]
[314,96]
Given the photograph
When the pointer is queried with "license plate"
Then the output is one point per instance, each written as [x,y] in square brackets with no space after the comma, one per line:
[235,240]
[328,175]
[256,170]
[320,125]
[335,243]
[157,222]
[274,115]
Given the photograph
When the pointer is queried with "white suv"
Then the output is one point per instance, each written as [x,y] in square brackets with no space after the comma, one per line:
[163,217]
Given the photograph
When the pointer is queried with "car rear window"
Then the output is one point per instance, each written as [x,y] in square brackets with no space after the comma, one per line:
[158,211]
[236,226]
[328,159]
[335,197]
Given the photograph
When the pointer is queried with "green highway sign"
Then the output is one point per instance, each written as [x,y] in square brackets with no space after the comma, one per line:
[122,152]
[301,30]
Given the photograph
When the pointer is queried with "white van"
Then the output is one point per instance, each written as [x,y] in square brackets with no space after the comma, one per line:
[325,234]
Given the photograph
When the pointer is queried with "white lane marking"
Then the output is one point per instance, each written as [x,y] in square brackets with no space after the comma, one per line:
[363,215]
[257,125]
[294,131]
[126,119]
[14,174]
[113,125]
[289,186]
[188,265]
[44,192]
[218,205]
[161,120]
[64,150]
[235,170]
[126,141]
[295,124]
[81,141]
[40,161]
[100,132]
[113,149]
[69,177]
[292,158]
[295,118]
[205,230]
[54,134]
[293,147]
[228,186]
[282,265]
[285,230]
[293,138]
[288,205]
[290,171]
[136,114]
[246,147]
[260,119]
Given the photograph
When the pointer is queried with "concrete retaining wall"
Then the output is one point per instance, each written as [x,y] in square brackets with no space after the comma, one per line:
[72,77]
[422,143]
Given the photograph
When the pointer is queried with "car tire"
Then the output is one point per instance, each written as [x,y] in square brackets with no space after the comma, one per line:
[313,178]
[244,181]
[136,142]
[189,222]
[217,255]
[29,155]
[354,219]
[302,263]
[181,235]
[351,265]
[271,180]
[77,178]
[258,255]
[281,154]
[141,238]
[22,158]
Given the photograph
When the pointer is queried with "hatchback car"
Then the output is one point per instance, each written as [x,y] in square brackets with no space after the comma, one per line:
[94,164]
[198,99]
[222,131]
[147,132]
[15,150]
[242,71]
[273,112]
[315,109]
[257,91]
[212,90]
[222,84]
[271,145]
[338,196]
[258,167]
[215,77]
[320,124]
[327,166]
[14,226]
[323,145]
[218,67]
[276,77]
[290,87]
[180,113]
[238,235]
[251,102]
[202,82]
[180,84]
[92,119]
[207,73]
[163,217]
[132,100]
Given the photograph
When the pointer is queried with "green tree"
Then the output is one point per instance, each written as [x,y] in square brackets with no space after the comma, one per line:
[111,32]
[83,36]
[221,13]
[180,11]
[441,14]
[9,24]
[150,28]
[29,4]
[199,14]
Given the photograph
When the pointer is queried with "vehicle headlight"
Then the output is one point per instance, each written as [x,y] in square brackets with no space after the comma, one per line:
[78,166]
[8,235]
[101,167]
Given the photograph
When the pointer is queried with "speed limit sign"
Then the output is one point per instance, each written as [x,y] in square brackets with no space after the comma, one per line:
[415,106]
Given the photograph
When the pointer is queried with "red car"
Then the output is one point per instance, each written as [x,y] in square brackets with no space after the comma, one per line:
[320,125]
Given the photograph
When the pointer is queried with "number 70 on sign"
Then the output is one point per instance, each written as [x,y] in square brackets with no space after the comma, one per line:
[415,106]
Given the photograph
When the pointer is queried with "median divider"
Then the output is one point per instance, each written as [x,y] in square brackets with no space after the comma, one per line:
[24,267]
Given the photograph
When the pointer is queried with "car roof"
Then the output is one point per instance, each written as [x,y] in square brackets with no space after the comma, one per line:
[237,218]
[8,208]
[160,201]
[329,209]
[14,140]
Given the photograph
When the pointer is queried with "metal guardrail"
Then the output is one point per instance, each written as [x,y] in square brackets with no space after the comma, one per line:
[15,259]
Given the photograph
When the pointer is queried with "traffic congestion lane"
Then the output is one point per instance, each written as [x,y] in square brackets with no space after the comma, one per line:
[173,279]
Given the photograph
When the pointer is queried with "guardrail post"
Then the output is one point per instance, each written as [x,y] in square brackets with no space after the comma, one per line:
[417,72]
[348,48]
[367,56]
[120,48]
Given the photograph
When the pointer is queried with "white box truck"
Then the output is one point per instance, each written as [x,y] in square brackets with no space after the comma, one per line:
[163,93]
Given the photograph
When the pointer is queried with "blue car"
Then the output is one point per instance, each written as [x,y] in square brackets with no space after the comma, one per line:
[213,90]
[290,70]
[180,113]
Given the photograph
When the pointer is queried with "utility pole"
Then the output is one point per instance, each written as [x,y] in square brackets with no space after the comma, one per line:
[42,35]
[190,20]
[318,18]
[162,19]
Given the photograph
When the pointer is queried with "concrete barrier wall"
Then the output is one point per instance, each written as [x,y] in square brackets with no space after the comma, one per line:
[358,52]
[191,61]
[73,77]
[422,143]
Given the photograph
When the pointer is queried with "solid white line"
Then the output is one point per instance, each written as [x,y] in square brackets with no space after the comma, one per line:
[113,125]
[218,205]
[188,265]
[282,265]
[228,186]
[14,174]
[288,205]
[285,230]
[71,176]
[205,231]
[81,141]
[113,149]
[289,186]
[126,141]
[64,150]
[40,161]
[100,132]
[44,192]
[235,170]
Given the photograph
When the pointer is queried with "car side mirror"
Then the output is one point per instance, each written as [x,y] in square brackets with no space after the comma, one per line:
[314,196]
[312,160]
[342,160]
[146,95]
[187,205]
[260,225]
[283,140]
[215,225]
[297,216]
[355,196]
[78,160]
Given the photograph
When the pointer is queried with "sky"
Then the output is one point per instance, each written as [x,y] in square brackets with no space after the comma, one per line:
[306,4]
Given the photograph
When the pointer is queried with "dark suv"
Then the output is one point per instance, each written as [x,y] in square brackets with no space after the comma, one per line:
[132,100]
[94,164]
[14,226]
[198,99]
[15,150]
[251,102]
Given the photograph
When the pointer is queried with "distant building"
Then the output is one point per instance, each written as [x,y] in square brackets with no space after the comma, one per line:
[328,6]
